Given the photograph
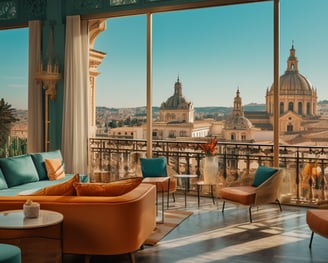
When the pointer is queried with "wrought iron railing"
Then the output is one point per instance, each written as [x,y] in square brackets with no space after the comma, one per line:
[305,168]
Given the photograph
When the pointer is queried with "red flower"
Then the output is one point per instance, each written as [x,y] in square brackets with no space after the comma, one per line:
[209,148]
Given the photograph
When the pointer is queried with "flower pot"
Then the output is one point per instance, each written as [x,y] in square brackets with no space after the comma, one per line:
[210,169]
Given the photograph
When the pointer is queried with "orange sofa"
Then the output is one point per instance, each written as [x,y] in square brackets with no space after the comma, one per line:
[95,225]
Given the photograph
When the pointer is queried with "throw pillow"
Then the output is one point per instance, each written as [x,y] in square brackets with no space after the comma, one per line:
[262,174]
[54,169]
[3,183]
[107,189]
[38,159]
[19,170]
[65,188]
[153,167]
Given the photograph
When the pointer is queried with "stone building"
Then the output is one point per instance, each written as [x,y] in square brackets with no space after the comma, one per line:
[297,101]
[237,127]
[176,118]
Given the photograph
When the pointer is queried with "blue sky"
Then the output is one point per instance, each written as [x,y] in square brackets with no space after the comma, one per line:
[214,51]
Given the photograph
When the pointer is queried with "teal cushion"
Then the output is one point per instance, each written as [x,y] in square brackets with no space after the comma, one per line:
[153,167]
[10,254]
[262,174]
[38,159]
[3,183]
[19,170]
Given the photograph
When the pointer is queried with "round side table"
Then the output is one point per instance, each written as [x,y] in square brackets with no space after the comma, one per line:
[40,239]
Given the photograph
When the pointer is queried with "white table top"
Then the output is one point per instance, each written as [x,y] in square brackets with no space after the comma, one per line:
[161,179]
[186,175]
[15,219]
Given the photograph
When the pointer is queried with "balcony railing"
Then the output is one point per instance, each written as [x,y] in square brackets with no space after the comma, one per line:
[305,168]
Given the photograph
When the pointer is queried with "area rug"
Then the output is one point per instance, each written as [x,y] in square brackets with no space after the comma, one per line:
[172,218]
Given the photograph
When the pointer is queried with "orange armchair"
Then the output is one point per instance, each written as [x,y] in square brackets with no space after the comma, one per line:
[264,190]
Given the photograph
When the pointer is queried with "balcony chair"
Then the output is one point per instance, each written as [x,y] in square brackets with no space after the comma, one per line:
[157,167]
[317,220]
[264,190]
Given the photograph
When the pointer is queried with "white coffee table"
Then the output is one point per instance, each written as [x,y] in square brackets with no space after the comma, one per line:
[40,239]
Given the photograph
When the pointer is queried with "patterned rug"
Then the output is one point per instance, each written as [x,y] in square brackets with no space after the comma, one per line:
[172,218]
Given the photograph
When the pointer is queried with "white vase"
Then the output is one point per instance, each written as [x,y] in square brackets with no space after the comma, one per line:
[210,169]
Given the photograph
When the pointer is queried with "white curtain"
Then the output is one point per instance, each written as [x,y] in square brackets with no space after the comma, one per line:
[76,96]
[35,110]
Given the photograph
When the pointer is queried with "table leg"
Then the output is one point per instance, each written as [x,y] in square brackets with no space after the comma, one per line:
[186,186]
[162,204]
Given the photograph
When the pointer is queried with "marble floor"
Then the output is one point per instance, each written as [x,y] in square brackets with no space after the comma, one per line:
[209,236]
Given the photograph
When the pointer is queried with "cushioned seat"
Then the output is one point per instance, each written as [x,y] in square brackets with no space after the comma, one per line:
[317,221]
[9,254]
[264,190]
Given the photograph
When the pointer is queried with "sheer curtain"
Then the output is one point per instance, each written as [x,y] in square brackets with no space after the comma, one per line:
[76,96]
[35,109]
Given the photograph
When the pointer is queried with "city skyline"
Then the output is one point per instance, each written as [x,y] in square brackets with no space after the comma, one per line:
[214,51]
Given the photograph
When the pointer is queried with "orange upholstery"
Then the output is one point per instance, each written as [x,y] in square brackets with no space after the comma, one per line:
[317,221]
[240,194]
[265,192]
[95,225]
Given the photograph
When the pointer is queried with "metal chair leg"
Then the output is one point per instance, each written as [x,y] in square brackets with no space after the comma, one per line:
[198,194]
[212,194]
[278,202]
[310,245]
[223,204]
[250,214]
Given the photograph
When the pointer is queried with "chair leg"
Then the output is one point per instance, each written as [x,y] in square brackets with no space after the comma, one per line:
[212,194]
[310,245]
[198,194]
[278,202]
[173,196]
[223,204]
[132,257]
[250,213]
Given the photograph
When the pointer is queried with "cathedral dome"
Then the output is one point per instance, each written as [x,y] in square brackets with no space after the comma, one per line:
[238,123]
[177,100]
[292,82]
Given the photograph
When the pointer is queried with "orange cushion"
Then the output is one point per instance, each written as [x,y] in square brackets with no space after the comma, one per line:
[240,194]
[163,186]
[54,169]
[318,221]
[107,189]
[65,188]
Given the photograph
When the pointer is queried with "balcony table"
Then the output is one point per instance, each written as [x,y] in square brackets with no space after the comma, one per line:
[186,178]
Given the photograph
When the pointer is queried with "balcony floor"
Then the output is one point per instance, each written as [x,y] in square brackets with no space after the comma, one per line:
[209,236]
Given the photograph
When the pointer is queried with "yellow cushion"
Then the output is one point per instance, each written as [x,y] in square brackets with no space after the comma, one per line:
[107,189]
[65,188]
[54,169]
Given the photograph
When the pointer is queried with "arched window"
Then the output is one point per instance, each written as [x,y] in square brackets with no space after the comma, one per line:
[289,127]
[291,106]
[233,137]
[300,108]
[308,108]
[281,108]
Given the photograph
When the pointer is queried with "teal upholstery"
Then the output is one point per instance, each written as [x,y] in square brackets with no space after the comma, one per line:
[3,183]
[10,254]
[38,159]
[262,174]
[18,170]
[153,167]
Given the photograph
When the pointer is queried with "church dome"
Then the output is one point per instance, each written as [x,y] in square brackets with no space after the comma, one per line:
[177,100]
[237,120]
[238,123]
[292,82]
